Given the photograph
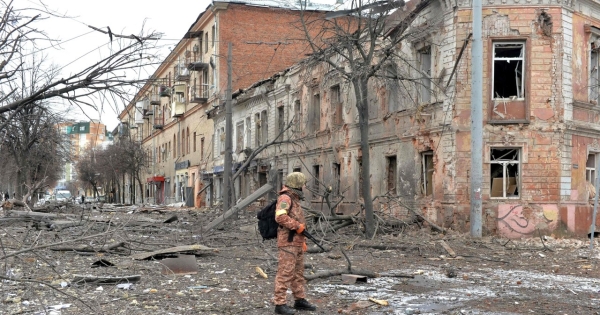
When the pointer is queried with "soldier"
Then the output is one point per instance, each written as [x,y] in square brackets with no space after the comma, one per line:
[292,245]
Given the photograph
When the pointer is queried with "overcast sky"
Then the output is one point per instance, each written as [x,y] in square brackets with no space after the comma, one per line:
[173,18]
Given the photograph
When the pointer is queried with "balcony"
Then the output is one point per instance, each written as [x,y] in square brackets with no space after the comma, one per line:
[178,103]
[154,99]
[182,73]
[148,113]
[164,91]
[199,93]
[198,64]
[158,122]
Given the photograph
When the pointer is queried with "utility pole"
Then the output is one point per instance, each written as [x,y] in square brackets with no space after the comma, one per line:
[228,138]
[476,119]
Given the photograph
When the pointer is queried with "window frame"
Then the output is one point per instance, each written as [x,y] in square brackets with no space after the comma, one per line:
[593,40]
[504,162]
[425,59]
[424,172]
[523,116]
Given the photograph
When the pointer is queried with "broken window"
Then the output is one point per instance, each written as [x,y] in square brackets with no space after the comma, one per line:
[336,170]
[280,119]
[393,91]
[508,70]
[391,174]
[248,133]
[264,126]
[257,130]
[505,172]
[425,81]
[336,105]
[594,76]
[239,136]
[427,172]
[316,176]
[590,168]
[262,178]
[315,122]
[298,115]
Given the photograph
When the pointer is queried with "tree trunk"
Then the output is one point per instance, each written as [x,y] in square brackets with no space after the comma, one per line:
[137,177]
[360,90]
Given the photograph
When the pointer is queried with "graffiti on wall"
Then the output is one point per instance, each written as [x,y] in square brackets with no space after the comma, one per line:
[516,220]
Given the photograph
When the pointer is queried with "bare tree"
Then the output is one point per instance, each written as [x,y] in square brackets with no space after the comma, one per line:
[360,43]
[35,147]
[87,171]
[102,82]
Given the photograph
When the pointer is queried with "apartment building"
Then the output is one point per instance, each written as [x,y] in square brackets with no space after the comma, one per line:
[541,122]
[168,115]
[82,136]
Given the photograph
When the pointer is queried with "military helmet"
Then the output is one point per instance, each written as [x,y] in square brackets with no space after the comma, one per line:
[295,180]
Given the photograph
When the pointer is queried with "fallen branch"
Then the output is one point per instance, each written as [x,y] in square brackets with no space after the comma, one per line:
[88,248]
[77,279]
[337,272]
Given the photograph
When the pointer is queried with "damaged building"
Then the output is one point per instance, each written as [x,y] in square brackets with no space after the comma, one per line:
[168,115]
[541,122]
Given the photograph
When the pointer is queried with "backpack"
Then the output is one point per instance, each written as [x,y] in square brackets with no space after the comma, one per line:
[267,226]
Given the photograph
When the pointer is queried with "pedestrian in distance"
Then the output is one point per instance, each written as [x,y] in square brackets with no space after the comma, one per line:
[82,199]
[291,244]
[6,196]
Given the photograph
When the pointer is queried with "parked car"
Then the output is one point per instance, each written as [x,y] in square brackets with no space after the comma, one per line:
[62,196]
[101,198]
[90,199]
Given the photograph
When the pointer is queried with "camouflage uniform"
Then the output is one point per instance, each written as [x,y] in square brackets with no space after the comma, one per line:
[290,272]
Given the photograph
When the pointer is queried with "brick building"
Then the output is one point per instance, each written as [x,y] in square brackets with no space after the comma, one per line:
[168,113]
[541,122]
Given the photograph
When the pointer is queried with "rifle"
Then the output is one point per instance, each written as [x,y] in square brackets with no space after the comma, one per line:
[310,237]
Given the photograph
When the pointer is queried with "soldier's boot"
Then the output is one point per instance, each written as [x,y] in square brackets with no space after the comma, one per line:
[284,309]
[304,305]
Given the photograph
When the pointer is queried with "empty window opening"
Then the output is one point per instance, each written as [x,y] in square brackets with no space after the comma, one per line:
[262,178]
[508,70]
[315,122]
[316,176]
[336,105]
[280,119]
[505,172]
[298,115]
[297,169]
[264,126]
[393,91]
[427,172]
[248,133]
[257,130]
[336,170]
[425,82]
[391,174]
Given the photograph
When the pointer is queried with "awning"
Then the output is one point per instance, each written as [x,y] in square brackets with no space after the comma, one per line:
[155,179]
